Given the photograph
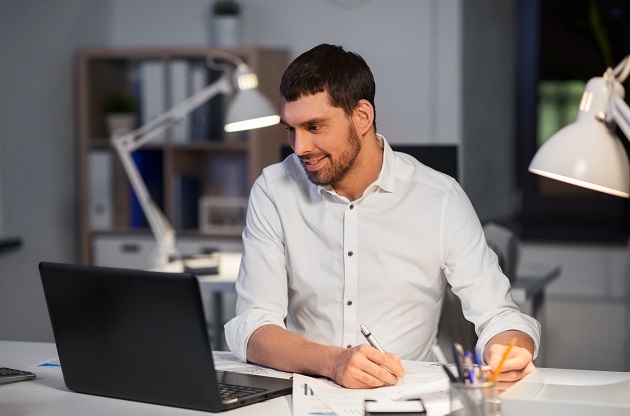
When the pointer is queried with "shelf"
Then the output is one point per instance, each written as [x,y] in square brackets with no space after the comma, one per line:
[219,146]
[147,233]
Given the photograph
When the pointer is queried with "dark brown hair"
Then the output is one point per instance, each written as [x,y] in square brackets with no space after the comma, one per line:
[344,75]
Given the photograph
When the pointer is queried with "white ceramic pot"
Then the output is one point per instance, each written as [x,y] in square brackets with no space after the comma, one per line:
[225,30]
[120,123]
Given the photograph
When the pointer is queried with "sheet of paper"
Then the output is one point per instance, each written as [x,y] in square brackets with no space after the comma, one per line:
[424,380]
[305,402]
[226,361]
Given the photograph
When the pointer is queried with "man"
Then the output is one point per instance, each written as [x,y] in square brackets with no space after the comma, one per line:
[347,232]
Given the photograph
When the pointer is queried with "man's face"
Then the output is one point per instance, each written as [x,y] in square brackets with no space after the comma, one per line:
[322,136]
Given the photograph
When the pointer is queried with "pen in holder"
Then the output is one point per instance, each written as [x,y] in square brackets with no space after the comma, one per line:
[478,399]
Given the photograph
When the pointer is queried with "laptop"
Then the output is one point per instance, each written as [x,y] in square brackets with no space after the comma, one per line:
[141,336]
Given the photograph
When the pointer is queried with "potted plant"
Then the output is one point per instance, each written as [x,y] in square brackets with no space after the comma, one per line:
[120,114]
[225,22]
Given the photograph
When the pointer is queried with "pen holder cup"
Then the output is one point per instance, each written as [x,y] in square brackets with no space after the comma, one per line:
[479,399]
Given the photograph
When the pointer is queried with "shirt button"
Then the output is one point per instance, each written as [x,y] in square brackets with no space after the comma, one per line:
[349,303]
[348,346]
[351,206]
[350,253]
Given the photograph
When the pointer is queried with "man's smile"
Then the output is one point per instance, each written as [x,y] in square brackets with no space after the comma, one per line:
[313,163]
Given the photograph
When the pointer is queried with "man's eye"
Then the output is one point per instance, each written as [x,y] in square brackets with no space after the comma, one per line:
[314,128]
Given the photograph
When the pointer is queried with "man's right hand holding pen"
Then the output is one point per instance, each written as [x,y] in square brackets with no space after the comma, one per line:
[360,367]
[367,366]
[364,367]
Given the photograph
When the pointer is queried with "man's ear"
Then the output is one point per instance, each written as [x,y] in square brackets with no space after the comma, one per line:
[363,117]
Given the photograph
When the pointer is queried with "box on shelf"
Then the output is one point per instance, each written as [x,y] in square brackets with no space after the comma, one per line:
[222,214]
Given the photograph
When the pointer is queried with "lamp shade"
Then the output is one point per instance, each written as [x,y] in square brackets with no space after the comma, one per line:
[249,109]
[587,153]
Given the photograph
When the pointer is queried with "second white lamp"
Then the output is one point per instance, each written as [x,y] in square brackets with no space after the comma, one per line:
[588,153]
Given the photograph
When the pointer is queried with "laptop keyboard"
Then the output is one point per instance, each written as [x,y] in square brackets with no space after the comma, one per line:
[10,375]
[230,391]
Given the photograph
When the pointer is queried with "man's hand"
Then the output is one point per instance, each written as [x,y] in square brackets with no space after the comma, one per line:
[358,367]
[364,367]
[518,364]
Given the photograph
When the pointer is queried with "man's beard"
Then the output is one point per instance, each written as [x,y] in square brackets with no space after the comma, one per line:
[336,169]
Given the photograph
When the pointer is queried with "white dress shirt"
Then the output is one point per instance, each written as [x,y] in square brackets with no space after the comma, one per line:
[320,265]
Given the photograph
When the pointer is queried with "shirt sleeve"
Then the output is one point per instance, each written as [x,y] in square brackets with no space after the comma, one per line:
[261,285]
[473,271]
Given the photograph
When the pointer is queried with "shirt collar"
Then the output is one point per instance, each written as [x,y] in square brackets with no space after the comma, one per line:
[386,177]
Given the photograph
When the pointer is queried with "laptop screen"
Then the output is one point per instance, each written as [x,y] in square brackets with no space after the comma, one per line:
[136,335]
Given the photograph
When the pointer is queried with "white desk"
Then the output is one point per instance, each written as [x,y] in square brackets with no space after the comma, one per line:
[47,394]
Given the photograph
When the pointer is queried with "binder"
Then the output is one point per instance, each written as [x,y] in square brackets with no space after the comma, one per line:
[199,118]
[101,210]
[207,119]
[152,94]
[149,164]
[178,92]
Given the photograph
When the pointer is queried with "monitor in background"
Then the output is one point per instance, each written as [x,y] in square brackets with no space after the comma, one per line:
[442,158]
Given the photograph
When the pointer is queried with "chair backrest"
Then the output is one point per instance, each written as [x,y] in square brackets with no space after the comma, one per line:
[506,245]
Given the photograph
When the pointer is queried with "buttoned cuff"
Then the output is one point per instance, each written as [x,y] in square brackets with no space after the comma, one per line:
[516,321]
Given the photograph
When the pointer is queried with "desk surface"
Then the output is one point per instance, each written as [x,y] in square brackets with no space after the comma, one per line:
[225,281]
[47,394]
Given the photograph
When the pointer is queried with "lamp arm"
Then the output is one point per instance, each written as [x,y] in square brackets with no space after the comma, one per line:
[621,115]
[126,144]
[145,133]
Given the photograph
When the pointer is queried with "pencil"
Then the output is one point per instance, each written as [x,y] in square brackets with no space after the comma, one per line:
[496,372]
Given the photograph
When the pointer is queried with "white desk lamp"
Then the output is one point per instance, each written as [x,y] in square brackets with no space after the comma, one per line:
[248,110]
[588,153]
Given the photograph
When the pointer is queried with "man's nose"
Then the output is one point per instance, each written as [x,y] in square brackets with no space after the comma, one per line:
[301,143]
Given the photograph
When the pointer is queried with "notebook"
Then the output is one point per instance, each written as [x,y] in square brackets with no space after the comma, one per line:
[141,336]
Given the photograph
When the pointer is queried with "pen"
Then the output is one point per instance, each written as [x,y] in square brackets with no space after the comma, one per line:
[374,343]
[480,366]
[458,357]
[496,372]
[470,368]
